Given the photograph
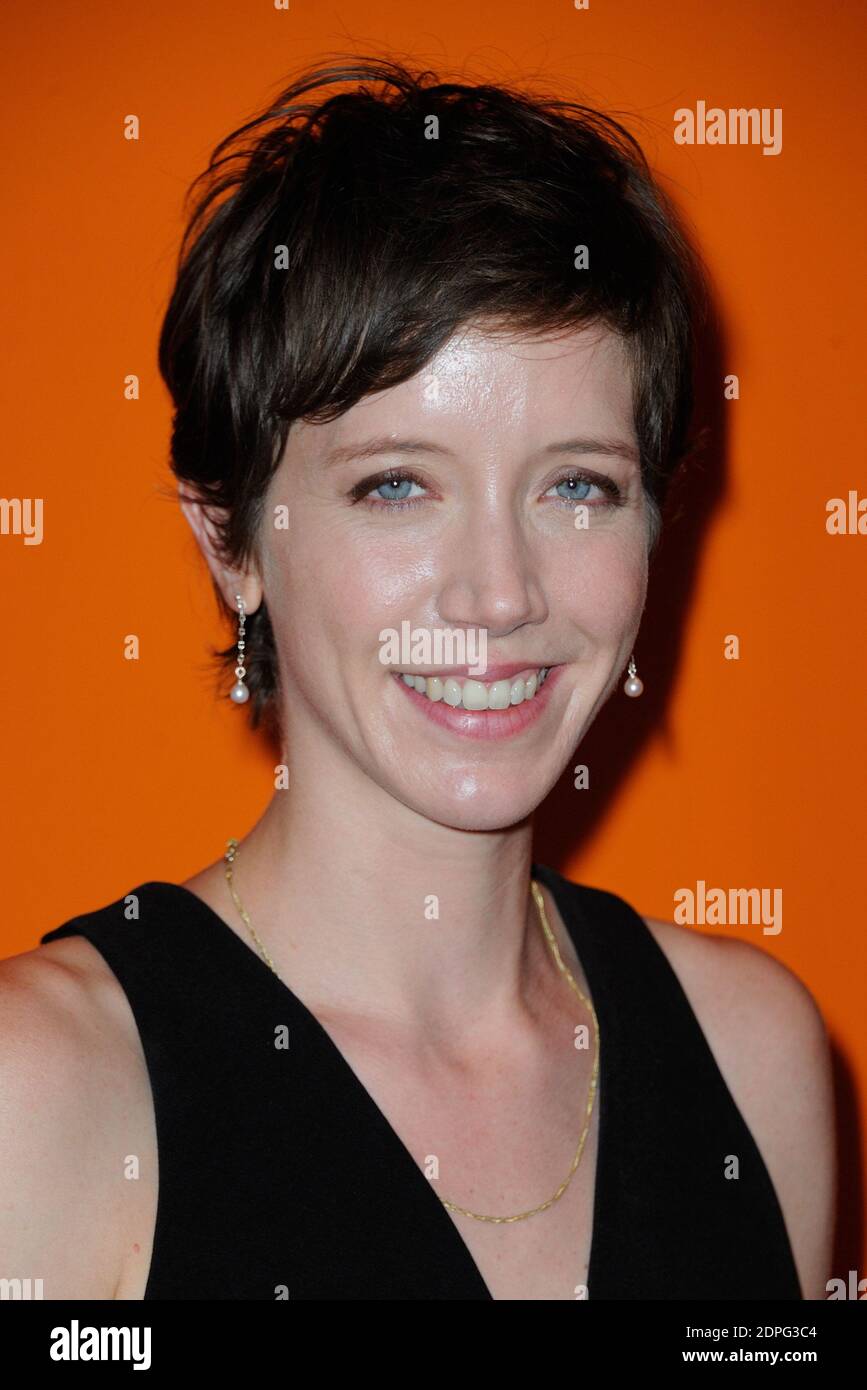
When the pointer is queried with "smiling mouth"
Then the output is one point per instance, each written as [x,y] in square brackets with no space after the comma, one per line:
[468,694]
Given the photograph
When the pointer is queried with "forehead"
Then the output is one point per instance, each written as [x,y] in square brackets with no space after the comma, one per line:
[487,384]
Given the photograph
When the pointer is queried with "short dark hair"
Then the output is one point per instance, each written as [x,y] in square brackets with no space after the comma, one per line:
[400,229]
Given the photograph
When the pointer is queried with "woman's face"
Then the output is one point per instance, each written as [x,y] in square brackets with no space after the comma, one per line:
[474,530]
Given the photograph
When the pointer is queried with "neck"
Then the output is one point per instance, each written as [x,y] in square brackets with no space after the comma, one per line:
[373,910]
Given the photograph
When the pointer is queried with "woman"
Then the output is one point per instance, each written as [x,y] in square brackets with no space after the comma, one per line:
[430,349]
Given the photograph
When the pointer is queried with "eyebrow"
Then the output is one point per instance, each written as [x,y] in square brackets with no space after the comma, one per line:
[385,444]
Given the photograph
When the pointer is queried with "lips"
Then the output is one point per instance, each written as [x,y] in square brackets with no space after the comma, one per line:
[504,719]
[472,694]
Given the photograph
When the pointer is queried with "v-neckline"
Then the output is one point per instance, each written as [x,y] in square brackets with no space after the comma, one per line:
[568,912]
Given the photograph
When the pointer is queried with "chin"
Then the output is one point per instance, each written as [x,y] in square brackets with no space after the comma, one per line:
[476,800]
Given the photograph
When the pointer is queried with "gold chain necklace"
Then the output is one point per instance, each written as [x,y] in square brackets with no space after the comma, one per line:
[231,854]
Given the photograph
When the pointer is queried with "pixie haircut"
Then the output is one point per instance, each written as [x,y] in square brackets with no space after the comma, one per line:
[335,245]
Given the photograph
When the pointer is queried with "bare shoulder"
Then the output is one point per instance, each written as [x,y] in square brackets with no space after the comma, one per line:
[70,1084]
[771,1044]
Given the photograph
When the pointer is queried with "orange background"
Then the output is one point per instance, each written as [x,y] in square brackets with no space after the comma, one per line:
[744,773]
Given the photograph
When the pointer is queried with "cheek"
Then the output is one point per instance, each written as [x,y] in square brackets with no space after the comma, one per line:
[329,594]
[359,568]
[602,585]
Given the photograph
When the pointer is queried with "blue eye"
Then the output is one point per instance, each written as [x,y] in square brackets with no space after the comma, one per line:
[577,486]
[395,489]
[390,489]
[574,486]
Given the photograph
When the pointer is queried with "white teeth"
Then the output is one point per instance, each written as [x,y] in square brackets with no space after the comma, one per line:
[499,695]
[475,694]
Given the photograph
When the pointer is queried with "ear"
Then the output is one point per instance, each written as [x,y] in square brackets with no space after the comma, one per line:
[203,521]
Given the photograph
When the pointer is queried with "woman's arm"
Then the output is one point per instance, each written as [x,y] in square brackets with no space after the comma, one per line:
[771,1044]
[62,1096]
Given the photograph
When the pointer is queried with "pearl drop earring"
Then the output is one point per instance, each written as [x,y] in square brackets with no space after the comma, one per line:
[239,692]
[633,685]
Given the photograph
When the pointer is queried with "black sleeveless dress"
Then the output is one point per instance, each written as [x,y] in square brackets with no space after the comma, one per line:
[278,1171]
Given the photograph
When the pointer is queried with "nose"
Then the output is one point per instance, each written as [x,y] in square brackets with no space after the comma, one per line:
[492,578]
